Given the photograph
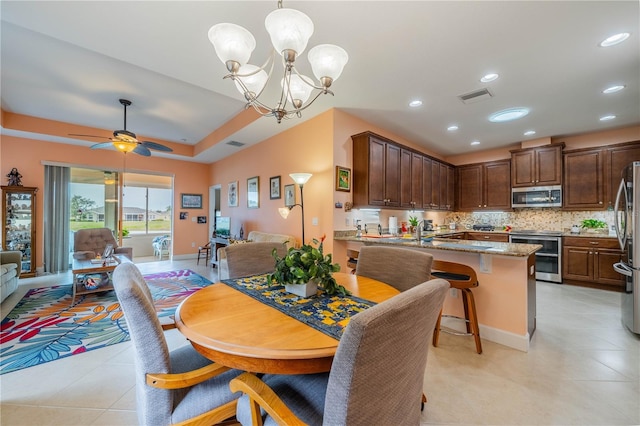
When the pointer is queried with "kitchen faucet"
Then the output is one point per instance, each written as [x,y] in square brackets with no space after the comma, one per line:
[419,230]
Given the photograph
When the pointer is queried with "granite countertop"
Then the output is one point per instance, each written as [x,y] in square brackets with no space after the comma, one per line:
[469,246]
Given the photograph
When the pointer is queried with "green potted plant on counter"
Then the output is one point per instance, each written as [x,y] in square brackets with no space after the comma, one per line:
[304,269]
[594,225]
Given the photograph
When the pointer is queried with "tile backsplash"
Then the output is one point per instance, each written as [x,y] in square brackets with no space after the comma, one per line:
[540,218]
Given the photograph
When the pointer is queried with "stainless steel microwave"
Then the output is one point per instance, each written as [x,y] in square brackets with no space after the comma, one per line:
[537,196]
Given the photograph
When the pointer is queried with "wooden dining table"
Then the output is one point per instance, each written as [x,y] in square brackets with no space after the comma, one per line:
[238,331]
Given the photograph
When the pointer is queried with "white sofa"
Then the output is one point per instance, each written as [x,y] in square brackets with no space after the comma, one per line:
[254,236]
[9,272]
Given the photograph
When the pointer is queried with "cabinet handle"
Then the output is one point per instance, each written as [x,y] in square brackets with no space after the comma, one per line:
[486,237]
[594,242]
[479,205]
[600,202]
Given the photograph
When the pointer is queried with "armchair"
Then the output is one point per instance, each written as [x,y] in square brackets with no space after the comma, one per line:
[88,243]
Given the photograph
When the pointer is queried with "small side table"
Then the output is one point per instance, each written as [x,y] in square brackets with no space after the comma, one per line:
[85,266]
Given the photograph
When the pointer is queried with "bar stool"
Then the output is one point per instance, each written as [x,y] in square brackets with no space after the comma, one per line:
[463,278]
[352,261]
[206,251]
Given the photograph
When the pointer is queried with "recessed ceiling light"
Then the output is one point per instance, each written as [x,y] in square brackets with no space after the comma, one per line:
[508,115]
[489,77]
[475,143]
[530,133]
[452,128]
[414,104]
[607,117]
[613,89]
[614,39]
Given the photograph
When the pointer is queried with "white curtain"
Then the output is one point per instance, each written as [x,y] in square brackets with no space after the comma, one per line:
[56,218]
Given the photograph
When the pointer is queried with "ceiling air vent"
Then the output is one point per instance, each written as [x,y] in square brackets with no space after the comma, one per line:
[477,96]
[235,143]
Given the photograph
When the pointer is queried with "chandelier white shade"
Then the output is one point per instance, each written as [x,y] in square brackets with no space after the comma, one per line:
[290,31]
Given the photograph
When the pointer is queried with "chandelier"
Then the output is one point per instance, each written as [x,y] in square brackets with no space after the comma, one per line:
[290,31]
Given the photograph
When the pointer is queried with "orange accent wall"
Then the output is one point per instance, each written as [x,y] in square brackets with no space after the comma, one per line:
[28,155]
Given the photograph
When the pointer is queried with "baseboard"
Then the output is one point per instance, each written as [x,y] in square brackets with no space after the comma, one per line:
[495,335]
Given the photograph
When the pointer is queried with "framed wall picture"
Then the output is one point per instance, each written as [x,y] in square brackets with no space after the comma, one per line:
[274,188]
[253,192]
[184,215]
[191,201]
[232,194]
[343,179]
[202,219]
[289,195]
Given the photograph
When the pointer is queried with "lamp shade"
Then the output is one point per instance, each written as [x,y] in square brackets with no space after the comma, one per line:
[232,42]
[289,29]
[253,78]
[301,178]
[327,60]
[284,212]
[298,89]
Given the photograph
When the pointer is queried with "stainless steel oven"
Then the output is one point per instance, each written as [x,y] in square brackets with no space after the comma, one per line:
[549,257]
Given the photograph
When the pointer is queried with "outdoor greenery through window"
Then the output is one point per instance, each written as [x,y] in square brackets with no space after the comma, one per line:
[146,207]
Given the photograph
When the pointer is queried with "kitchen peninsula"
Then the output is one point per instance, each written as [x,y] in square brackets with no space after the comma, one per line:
[506,297]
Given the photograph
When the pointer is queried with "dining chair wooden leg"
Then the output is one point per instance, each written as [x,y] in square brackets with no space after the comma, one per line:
[424,401]
[436,330]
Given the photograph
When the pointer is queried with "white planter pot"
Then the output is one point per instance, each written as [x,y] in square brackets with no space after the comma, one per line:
[303,290]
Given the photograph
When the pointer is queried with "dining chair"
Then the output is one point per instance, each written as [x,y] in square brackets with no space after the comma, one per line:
[376,375]
[205,251]
[252,258]
[399,267]
[177,387]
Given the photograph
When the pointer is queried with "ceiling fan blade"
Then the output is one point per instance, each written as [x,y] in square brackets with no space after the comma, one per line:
[89,136]
[156,146]
[142,150]
[102,145]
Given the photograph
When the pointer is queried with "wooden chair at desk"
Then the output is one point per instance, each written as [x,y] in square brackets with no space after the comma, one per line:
[383,393]
[463,278]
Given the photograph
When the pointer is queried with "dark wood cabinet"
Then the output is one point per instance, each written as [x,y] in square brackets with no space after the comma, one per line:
[589,261]
[584,179]
[376,171]
[484,186]
[539,166]
[387,174]
[487,236]
[592,176]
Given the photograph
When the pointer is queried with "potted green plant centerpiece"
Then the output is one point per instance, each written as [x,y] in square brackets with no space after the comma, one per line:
[303,269]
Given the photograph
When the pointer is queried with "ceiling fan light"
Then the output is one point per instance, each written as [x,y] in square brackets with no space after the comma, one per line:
[300,88]
[327,60]
[232,43]
[125,146]
[289,29]
[253,79]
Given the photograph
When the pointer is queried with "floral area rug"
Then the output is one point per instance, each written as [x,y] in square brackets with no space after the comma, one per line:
[44,326]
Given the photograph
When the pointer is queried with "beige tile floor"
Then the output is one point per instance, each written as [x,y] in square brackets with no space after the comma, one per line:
[583,369]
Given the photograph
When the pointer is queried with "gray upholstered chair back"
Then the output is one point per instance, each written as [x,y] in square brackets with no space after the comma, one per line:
[398,267]
[378,371]
[154,406]
[253,258]
[87,243]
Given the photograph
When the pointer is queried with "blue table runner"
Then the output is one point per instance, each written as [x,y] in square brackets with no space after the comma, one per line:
[326,313]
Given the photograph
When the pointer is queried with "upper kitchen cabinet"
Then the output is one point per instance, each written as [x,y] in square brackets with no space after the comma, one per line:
[584,179]
[484,186]
[410,179]
[592,175]
[442,191]
[376,171]
[539,166]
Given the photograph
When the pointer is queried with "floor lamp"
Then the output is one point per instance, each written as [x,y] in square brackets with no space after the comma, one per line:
[301,179]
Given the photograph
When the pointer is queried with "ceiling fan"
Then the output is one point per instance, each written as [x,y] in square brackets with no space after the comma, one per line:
[125,141]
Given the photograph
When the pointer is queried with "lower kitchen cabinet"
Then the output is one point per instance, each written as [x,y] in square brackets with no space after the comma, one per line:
[487,236]
[589,261]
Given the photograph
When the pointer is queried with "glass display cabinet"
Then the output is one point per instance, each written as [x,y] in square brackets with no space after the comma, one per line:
[19,231]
